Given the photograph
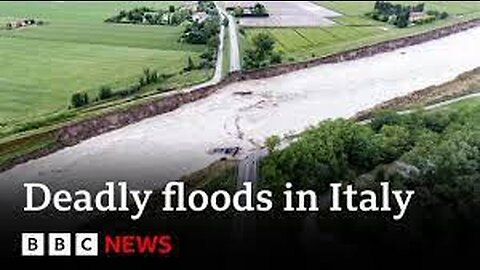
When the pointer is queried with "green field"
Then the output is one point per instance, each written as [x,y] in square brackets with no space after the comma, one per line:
[76,51]
[226,53]
[470,106]
[353,29]
[359,8]
[466,104]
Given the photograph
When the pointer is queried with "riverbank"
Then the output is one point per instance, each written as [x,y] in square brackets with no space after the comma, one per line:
[464,84]
[72,133]
[464,87]
[351,28]
[155,151]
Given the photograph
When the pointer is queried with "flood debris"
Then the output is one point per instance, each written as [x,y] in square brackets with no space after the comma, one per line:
[243,93]
[231,151]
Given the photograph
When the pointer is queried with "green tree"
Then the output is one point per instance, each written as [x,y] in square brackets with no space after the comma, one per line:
[261,53]
[190,65]
[402,19]
[238,11]
[79,100]
[149,19]
[147,74]
[448,157]
[272,142]
[395,141]
[384,117]
[135,16]
[276,58]
[443,15]
[419,8]
[225,22]
[171,9]
[332,151]
[259,10]
[264,43]
[105,93]
[202,33]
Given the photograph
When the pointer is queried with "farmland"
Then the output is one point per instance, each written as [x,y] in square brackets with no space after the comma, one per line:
[76,51]
[353,29]
[226,53]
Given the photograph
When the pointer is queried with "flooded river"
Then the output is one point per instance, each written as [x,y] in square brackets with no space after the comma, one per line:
[165,147]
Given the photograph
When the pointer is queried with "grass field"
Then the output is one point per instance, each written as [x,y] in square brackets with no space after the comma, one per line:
[470,106]
[359,8]
[76,51]
[353,29]
[226,53]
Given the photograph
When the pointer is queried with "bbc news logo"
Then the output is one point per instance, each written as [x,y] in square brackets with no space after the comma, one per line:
[59,244]
[87,244]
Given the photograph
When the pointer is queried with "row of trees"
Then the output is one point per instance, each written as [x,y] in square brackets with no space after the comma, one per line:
[258,10]
[400,15]
[437,14]
[196,32]
[262,52]
[436,154]
[146,15]
[204,32]
[396,14]
[148,77]
[388,8]
[205,6]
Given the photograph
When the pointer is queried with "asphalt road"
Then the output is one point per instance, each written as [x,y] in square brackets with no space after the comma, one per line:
[218,65]
[247,169]
[234,51]
[243,227]
[235,64]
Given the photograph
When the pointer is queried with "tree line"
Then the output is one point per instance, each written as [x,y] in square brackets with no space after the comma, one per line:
[257,10]
[149,76]
[400,15]
[146,15]
[437,154]
[196,32]
[204,32]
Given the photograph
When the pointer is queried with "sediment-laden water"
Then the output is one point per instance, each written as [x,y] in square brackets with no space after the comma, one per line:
[163,148]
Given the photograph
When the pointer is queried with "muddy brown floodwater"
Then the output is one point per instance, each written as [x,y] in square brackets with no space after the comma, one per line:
[163,148]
